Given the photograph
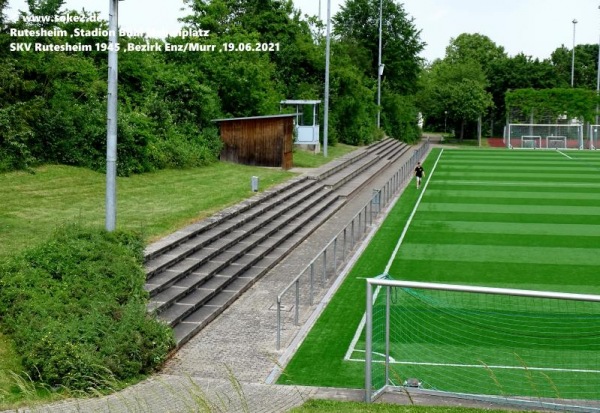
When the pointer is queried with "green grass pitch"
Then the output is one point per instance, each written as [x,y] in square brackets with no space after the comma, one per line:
[496,218]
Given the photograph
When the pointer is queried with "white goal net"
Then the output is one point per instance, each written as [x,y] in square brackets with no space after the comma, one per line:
[544,136]
[530,348]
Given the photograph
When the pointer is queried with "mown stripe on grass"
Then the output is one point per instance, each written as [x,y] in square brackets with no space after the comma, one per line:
[514,200]
[517,183]
[486,167]
[531,240]
[547,276]
[545,195]
[510,209]
[524,228]
[496,253]
[444,216]
[529,176]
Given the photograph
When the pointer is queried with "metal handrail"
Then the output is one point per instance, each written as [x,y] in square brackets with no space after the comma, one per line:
[381,197]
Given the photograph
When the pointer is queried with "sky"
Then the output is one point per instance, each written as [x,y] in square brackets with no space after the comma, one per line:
[533,27]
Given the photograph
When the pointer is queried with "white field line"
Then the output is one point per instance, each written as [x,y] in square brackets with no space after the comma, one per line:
[363,320]
[563,154]
[479,366]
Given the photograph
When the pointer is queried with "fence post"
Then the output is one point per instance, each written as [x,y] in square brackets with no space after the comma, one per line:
[335,256]
[359,221]
[344,245]
[297,312]
[278,322]
[325,265]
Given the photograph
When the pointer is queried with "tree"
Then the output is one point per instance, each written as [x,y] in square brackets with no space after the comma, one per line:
[474,48]
[358,20]
[586,65]
[352,101]
[517,72]
[456,91]
[3,6]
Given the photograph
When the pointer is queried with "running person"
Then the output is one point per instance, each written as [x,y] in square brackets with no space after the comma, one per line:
[419,174]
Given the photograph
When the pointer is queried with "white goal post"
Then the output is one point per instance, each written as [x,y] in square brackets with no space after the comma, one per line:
[531,141]
[556,142]
[544,136]
[520,347]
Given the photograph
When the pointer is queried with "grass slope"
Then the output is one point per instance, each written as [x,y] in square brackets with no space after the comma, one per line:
[155,203]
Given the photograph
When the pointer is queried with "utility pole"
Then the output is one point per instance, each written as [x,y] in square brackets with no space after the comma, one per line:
[573,56]
[379,66]
[111,117]
[327,53]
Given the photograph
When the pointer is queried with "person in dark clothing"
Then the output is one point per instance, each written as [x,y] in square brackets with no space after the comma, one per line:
[419,174]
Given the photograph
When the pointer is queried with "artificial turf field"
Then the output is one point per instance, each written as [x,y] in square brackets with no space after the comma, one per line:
[525,219]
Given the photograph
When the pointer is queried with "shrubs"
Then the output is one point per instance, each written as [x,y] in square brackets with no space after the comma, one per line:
[76,309]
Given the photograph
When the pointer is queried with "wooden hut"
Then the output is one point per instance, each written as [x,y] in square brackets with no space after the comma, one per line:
[258,140]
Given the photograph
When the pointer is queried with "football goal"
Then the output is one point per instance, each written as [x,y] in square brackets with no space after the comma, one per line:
[527,348]
[531,142]
[593,134]
[544,136]
[556,142]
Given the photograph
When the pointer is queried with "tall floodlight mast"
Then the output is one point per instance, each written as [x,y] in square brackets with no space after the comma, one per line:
[327,53]
[111,117]
[573,56]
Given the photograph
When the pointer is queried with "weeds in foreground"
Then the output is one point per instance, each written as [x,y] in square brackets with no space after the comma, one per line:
[493,377]
[403,389]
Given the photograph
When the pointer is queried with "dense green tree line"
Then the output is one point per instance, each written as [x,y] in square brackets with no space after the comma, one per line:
[53,104]
[474,77]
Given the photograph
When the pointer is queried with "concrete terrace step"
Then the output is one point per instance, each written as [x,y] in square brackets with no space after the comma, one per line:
[197,272]
[377,158]
[167,243]
[251,231]
[342,177]
[173,284]
[396,151]
[382,147]
[384,157]
[194,294]
[234,285]
[205,236]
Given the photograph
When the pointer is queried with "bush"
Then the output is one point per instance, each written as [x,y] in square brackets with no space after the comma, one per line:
[76,309]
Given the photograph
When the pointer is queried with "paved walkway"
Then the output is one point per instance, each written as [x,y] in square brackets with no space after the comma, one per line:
[226,366]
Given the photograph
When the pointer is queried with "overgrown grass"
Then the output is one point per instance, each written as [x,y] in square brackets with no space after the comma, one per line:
[156,204]
[306,159]
[75,307]
[35,204]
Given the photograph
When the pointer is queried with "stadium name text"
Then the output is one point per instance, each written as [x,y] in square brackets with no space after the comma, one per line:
[98,32]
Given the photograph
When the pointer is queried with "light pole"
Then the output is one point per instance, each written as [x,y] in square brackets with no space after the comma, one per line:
[379,66]
[319,10]
[598,79]
[326,103]
[111,117]
[445,118]
[573,56]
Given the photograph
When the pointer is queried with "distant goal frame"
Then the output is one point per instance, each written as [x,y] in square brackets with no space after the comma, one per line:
[571,134]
